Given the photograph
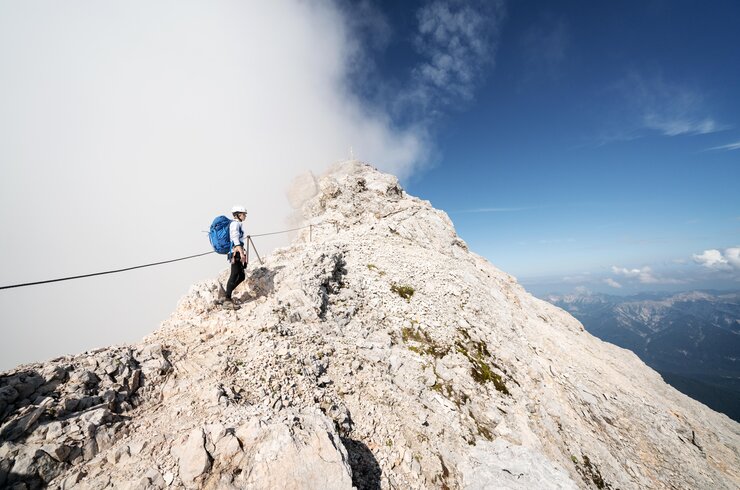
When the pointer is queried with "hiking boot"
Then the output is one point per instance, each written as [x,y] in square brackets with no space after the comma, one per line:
[230,304]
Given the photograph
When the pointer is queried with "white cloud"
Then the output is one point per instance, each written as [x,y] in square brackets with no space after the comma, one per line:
[367,17]
[732,255]
[371,34]
[674,125]
[667,107]
[711,259]
[729,147]
[138,122]
[644,275]
[611,282]
[714,259]
[631,273]
[458,41]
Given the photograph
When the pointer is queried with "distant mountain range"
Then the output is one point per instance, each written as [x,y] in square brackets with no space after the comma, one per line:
[692,339]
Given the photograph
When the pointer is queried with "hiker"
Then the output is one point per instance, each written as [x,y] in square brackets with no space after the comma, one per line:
[236,256]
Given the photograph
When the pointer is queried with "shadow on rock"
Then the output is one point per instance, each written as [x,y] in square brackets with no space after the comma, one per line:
[23,401]
[365,468]
[32,481]
[260,282]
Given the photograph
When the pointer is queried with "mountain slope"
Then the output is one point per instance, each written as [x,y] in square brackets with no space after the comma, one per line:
[375,351]
[692,338]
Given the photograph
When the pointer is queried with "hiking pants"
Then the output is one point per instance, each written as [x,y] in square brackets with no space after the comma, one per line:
[237,274]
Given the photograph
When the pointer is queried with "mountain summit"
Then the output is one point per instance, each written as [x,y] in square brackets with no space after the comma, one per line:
[376,351]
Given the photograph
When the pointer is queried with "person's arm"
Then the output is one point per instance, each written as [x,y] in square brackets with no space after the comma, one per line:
[236,240]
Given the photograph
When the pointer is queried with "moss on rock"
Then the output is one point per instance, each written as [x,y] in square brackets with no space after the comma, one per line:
[406,292]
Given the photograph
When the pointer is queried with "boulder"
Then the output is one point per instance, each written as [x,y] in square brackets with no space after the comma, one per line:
[303,452]
[193,459]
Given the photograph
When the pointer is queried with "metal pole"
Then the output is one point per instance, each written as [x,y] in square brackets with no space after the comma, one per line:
[255,250]
[310,233]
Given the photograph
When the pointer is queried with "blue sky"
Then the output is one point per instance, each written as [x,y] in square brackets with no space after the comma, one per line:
[586,145]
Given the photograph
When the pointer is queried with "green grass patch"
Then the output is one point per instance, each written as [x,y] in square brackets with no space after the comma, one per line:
[406,292]
[590,473]
[445,389]
[375,268]
[478,353]
[427,345]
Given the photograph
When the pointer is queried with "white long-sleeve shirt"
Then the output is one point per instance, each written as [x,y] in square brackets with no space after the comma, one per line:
[236,233]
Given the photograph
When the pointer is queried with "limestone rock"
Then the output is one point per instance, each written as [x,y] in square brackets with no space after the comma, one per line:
[375,351]
[303,453]
[505,465]
[193,458]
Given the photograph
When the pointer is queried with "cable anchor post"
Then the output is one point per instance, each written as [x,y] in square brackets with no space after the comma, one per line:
[249,238]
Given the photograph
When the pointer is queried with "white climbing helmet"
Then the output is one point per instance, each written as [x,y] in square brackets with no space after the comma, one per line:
[238,209]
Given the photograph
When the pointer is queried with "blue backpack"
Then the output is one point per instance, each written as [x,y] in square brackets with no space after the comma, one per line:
[219,235]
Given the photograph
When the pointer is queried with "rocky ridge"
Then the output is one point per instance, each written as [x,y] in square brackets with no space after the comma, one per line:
[376,351]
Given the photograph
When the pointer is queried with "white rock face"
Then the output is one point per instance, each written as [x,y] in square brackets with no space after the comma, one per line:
[305,452]
[376,351]
[193,458]
[500,464]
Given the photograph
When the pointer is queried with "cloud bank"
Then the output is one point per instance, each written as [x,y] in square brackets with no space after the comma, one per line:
[126,127]
[644,275]
[717,260]
[711,269]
